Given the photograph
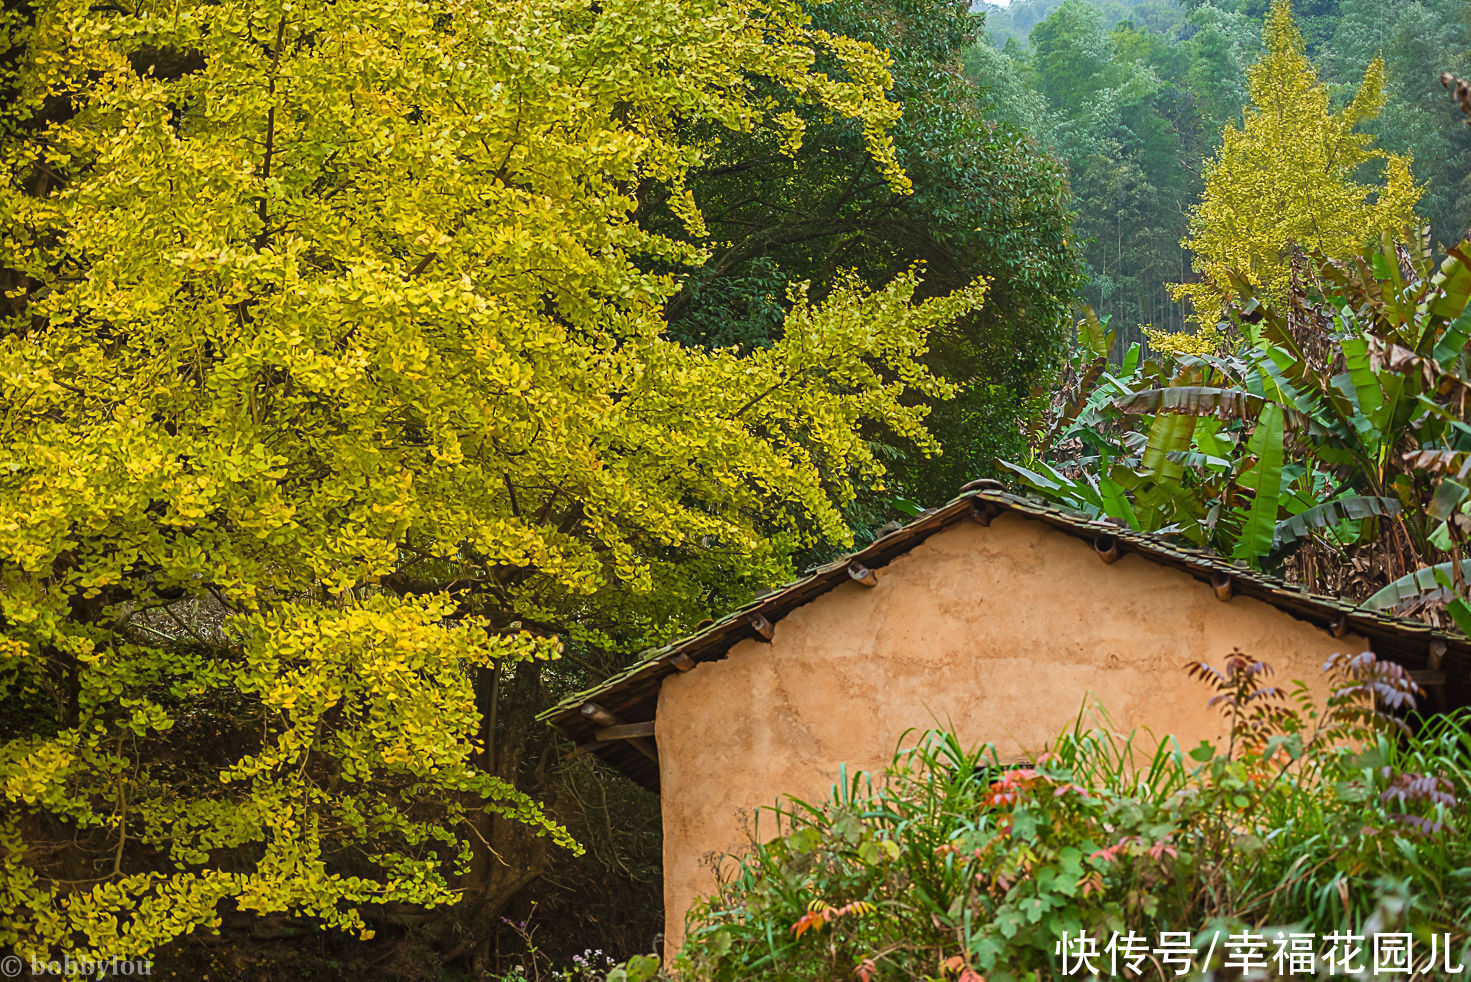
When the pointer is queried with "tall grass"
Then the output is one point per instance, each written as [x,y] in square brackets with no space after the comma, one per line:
[952,865]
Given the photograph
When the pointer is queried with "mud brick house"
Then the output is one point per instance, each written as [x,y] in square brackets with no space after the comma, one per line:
[994,614]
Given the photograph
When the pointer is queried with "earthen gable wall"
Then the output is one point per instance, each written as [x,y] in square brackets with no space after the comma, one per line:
[1002,631]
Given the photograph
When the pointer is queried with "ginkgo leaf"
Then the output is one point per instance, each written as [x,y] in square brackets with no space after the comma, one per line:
[345,356]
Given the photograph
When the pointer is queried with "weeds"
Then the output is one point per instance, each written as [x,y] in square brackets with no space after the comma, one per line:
[1311,820]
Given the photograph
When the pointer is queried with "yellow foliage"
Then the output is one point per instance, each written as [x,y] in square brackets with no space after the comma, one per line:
[1287,176]
[1206,340]
[336,320]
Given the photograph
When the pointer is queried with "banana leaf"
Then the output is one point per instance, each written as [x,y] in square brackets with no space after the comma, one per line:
[1087,383]
[1167,508]
[1403,361]
[1460,612]
[1053,482]
[1169,432]
[1057,487]
[1131,358]
[1343,400]
[1370,397]
[1447,498]
[1385,389]
[1210,441]
[1228,365]
[1194,458]
[1116,502]
[1399,299]
[1303,411]
[1259,523]
[1195,400]
[1440,461]
[1333,512]
[1453,285]
[1413,586]
[1274,329]
[1416,246]
[1386,262]
[1093,334]
[1453,341]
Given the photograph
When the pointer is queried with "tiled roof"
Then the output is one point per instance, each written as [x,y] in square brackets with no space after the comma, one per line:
[1440,659]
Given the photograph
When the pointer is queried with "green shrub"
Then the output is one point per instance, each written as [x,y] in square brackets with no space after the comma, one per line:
[953,866]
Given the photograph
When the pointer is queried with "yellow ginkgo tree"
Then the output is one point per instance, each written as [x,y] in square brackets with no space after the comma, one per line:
[1287,175]
[333,380]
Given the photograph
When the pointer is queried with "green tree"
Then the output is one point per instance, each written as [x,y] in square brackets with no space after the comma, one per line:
[337,398]
[1221,46]
[1416,41]
[1123,115]
[986,200]
[1318,19]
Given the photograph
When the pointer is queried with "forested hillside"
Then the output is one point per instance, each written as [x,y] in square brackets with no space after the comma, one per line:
[1134,98]
[377,375]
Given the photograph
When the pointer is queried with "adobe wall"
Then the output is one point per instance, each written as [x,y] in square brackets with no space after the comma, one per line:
[1003,630]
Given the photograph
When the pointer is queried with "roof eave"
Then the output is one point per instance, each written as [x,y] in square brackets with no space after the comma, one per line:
[632,695]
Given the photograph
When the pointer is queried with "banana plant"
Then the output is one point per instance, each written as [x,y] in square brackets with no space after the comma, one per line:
[1337,419]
